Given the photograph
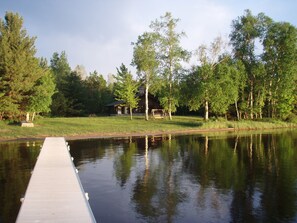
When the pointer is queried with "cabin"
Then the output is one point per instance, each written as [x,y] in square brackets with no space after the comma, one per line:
[119,107]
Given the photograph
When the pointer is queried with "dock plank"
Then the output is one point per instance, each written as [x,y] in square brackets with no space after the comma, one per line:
[54,193]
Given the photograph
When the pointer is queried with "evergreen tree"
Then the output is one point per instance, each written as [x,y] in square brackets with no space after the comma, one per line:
[74,92]
[97,94]
[126,88]
[19,68]
[61,70]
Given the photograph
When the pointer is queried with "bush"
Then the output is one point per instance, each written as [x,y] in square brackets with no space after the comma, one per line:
[291,118]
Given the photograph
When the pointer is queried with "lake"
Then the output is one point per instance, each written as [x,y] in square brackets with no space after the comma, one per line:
[245,177]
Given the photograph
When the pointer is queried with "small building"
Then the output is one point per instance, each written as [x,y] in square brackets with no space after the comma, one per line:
[120,108]
[117,108]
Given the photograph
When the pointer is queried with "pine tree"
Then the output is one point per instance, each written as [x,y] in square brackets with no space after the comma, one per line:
[126,88]
[61,70]
[19,68]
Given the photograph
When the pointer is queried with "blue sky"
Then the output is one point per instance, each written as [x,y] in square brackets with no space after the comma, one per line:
[98,33]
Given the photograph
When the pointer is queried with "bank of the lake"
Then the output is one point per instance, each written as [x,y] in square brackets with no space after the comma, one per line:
[93,127]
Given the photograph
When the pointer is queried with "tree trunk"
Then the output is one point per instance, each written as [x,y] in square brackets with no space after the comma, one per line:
[146,102]
[33,116]
[270,100]
[237,112]
[273,109]
[27,117]
[169,101]
[252,101]
[130,113]
[206,111]
[170,89]
[169,109]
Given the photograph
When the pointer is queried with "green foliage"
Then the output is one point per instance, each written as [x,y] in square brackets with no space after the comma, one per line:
[271,76]
[74,92]
[41,94]
[61,70]
[255,82]
[70,95]
[20,71]
[126,88]
[280,56]
[247,30]
[74,96]
[145,60]
[292,118]
[170,56]
[145,57]
[215,82]
[97,94]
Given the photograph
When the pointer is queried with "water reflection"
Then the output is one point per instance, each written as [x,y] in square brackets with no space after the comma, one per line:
[17,160]
[196,178]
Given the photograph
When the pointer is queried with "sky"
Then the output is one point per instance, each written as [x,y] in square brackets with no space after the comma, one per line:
[98,33]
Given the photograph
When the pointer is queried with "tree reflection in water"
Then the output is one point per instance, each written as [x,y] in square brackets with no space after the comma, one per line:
[156,191]
[17,160]
[210,178]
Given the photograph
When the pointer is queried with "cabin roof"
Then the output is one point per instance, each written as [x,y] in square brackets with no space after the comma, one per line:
[115,103]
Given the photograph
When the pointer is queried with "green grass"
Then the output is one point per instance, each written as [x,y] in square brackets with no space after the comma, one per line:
[117,126]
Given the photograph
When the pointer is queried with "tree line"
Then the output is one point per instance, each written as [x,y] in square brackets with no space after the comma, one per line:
[251,75]
[255,78]
[31,85]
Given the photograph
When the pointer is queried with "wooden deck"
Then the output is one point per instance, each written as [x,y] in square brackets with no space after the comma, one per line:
[54,193]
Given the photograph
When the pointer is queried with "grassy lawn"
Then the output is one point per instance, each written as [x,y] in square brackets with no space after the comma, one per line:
[116,126]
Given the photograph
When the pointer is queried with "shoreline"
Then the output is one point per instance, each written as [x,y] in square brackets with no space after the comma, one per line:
[101,135]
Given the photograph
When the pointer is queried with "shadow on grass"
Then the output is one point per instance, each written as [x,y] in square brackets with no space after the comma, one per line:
[185,124]
[14,123]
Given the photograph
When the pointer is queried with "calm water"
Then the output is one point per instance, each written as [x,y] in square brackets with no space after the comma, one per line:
[17,160]
[194,178]
[248,178]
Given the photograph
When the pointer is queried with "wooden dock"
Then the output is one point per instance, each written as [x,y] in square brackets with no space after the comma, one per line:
[54,193]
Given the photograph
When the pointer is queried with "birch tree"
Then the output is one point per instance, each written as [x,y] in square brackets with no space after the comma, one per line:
[208,87]
[170,56]
[248,31]
[145,60]
[280,56]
